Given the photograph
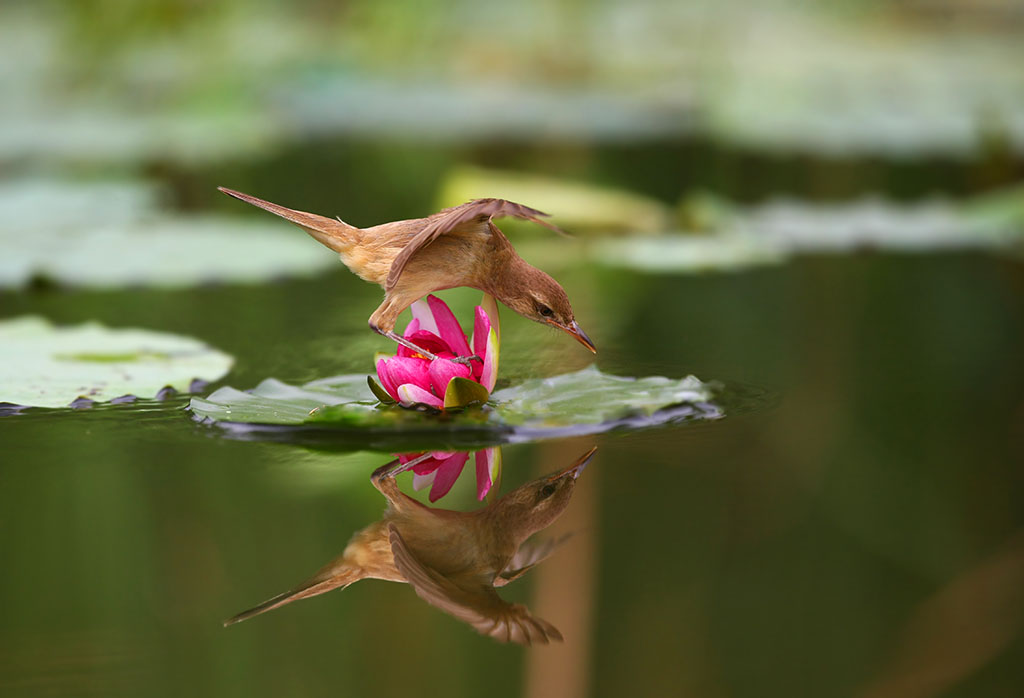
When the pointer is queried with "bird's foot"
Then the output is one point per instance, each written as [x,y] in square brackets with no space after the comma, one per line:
[466,360]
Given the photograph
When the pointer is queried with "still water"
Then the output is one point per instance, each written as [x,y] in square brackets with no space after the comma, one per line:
[854,529]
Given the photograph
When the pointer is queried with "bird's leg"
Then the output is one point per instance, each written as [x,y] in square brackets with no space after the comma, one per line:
[384,317]
[389,470]
[409,345]
[465,360]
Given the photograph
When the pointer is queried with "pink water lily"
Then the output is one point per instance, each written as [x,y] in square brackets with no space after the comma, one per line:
[441,469]
[411,379]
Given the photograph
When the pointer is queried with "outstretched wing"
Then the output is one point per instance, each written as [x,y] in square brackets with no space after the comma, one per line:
[476,212]
[482,608]
[529,555]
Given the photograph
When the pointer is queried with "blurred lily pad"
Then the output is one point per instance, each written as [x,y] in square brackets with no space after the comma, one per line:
[736,238]
[584,402]
[110,235]
[574,205]
[46,366]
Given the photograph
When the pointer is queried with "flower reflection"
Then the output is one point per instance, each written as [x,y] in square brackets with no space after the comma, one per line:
[440,469]
[411,379]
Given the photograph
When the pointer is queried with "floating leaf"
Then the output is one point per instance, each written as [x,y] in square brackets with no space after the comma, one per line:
[46,366]
[586,401]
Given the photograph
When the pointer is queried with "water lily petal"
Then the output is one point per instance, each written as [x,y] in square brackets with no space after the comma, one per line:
[403,369]
[385,378]
[442,371]
[481,326]
[419,482]
[489,374]
[425,340]
[409,394]
[448,327]
[412,328]
[490,306]
[421,311]
[487,465]
[446,475]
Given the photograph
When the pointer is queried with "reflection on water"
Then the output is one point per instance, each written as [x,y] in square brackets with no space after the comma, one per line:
[454,560]
[440,469]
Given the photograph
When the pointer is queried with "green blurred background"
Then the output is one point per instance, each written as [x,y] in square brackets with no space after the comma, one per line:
[818,205]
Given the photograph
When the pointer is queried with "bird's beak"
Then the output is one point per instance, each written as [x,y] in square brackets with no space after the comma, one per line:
[576,331]
[576,468]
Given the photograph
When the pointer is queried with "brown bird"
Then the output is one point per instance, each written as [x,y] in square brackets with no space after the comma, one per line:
[453,559]
[459,246]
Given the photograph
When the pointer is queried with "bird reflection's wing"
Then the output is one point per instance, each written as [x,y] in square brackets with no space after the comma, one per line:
[479,211]
[529,555]
[482,608]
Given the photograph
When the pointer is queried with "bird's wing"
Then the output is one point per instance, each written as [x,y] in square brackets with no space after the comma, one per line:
[478,211]
[481,608]
[529,555]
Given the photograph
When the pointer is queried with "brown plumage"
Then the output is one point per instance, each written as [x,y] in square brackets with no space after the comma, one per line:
[453,560]
[459,246]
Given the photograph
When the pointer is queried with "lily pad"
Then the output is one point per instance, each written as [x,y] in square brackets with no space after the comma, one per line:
[104,234]
[771,233]
[575,205]
[46,366]
[584,402]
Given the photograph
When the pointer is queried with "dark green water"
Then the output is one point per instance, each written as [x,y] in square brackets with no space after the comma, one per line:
[855,532]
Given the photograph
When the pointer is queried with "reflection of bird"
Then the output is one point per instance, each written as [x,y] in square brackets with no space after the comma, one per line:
[458,246]
[453,560]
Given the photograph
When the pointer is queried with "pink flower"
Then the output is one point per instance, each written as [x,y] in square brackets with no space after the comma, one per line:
[412,379]
[441,469]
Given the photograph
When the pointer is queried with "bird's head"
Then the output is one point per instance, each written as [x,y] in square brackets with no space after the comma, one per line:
[535,505]
[537,296]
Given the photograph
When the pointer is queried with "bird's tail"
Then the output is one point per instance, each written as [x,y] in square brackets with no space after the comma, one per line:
[331,232]
[312,587]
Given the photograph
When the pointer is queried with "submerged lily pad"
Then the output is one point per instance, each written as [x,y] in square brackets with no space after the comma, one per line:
[46,366]
[104,234]
[583,402]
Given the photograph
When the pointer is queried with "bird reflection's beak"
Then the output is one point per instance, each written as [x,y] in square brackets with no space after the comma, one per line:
[576,331]
[576,468]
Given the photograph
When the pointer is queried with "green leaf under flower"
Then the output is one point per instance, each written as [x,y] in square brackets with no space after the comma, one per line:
[462,392]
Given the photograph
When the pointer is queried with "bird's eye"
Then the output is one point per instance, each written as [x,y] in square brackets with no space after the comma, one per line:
[547,491]
[545,311]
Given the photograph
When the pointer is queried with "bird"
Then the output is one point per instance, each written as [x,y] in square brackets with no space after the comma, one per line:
[457,246]
[453,560]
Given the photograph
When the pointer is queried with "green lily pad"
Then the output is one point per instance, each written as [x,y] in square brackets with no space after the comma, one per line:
[575,205]
[584,402]
[46,366]
[67,232]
